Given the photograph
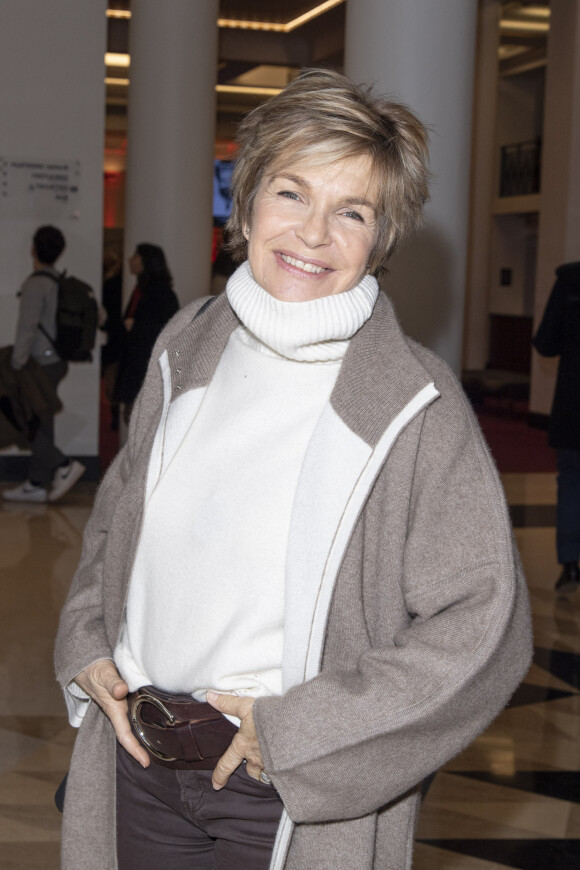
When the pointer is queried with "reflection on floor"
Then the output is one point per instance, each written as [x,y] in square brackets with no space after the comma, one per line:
[511,800]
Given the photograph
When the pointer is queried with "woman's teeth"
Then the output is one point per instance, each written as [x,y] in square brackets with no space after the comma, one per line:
[307,267]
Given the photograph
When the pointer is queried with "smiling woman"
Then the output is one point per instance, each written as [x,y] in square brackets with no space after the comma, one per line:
[318,123]
[304,535]
[313,228]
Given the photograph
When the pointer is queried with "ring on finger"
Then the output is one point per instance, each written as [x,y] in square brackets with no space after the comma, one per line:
[265,778]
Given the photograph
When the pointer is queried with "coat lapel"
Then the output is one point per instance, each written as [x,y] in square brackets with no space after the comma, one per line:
[381,387]
[187,366]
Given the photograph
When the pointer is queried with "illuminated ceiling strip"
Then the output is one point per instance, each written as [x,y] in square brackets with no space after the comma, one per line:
[116,59]
[312,13]
[241,24]
[247,89]
[221,89]
[515,26]
[535,11]
[277,27]
[234,24]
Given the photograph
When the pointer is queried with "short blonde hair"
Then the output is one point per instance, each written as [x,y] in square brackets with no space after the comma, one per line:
[321,116]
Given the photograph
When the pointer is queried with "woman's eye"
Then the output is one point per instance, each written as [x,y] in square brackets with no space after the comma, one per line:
[354,215]
[290,194]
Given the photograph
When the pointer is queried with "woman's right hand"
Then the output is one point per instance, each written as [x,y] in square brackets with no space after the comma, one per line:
[104,684]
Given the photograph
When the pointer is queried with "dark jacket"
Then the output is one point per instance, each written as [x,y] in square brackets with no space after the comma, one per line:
[113,327]
[27,396]
[559,335]
[157,305]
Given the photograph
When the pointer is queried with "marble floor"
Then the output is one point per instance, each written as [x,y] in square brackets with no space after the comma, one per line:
[511,800]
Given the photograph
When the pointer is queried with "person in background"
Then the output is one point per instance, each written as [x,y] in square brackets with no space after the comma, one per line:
[151,305]
[51,474]
[305,536]
[110,324]
[559,335]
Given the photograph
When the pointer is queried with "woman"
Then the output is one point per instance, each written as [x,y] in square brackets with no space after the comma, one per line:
[305,528]
[151,305]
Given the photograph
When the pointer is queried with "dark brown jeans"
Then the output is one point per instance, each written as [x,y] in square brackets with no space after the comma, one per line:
[175,819]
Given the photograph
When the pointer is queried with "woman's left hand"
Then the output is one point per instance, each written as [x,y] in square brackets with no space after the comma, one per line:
[245,743]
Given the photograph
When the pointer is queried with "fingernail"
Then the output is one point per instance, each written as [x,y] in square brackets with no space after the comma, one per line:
[212,696]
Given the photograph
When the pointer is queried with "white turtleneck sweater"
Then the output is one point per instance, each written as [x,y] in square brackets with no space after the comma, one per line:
[205,604]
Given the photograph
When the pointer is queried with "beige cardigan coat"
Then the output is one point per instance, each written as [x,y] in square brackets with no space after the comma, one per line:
[407,622]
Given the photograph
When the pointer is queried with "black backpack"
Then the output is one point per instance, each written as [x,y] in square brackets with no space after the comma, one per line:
[76,318]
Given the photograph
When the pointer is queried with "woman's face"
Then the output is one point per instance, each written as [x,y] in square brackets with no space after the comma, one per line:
[313,228]
[135,263]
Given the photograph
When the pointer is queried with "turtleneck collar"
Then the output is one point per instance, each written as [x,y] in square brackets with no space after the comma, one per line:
[314,331]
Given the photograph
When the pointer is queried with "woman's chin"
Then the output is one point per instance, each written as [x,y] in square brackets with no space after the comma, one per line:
[302,289]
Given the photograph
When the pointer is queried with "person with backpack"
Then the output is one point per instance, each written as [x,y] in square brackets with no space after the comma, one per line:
[51,473]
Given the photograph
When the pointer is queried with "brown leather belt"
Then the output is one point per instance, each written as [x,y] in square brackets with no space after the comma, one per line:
[177,731]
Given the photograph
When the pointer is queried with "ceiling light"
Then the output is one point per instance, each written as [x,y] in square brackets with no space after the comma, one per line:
[513,25]
[247,89]
[313,13]
[320,9]
[117,59]
[243,24]
[534,11]
[257,90]
[235,24]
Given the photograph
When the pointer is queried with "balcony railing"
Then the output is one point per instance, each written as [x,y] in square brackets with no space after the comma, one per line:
[520,168]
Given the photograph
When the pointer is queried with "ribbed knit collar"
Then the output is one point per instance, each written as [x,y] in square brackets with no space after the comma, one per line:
[315,331]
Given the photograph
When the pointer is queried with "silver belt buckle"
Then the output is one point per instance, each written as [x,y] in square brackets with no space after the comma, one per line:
[135,707]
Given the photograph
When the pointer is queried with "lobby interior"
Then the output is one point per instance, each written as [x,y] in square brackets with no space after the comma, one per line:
[511,799]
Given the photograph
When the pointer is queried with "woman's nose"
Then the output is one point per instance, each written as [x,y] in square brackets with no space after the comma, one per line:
[314,229]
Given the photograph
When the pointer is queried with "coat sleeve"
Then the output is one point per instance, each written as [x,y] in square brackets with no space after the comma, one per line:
[353,739]
[82,636]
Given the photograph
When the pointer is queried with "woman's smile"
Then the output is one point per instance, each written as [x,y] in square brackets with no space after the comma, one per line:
[301,265]
[313,228]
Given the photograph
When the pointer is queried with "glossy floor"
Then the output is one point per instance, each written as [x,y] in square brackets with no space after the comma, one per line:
[511,800]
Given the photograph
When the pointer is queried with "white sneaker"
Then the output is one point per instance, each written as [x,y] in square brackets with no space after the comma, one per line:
[27,491]
[65,478]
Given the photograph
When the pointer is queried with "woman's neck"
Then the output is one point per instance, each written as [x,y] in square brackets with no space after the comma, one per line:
[314,331]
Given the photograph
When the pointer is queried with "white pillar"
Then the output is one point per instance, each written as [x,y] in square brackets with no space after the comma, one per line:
[170,139]
[559,226]
[52,101]
[422,53]
[483,186]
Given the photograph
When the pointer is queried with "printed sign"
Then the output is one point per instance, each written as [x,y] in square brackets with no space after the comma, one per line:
[43,189]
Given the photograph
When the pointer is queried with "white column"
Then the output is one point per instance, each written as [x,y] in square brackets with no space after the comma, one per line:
[52,101]
[559,227]
[422,53]
[483,186]
[170,140]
